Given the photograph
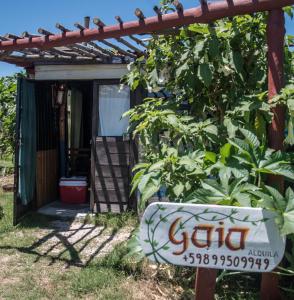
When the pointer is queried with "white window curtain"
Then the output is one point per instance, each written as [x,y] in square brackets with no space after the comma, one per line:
[75,104]
[113,102]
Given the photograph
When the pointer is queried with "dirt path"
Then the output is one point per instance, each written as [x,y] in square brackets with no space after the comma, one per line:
[60,262]
[77,243]
[6,180]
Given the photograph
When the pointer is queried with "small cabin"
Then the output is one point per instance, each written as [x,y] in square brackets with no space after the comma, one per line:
[69,124]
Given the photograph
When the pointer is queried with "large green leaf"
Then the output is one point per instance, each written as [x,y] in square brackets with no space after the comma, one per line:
[178,189]
[241,145]
[150,189]
[250,137]
[238,62]
[136,180]
[198,48]
[157,166]
[244,199]
[205,74]
[288,226]
[225,152]
[213,49]
[277,197]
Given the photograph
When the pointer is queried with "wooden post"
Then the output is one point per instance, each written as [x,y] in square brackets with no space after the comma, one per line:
[205,284]
[275,39]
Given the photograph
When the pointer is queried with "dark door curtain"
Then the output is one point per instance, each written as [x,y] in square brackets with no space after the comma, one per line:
[27,147]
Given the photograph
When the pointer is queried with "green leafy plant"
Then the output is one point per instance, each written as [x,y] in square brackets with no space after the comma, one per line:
[226,192]
[257,159]
[206,141]
[272,199]
[7,115]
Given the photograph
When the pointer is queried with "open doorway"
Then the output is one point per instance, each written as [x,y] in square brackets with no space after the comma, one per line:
[54,133]
[71,134]
[63,112]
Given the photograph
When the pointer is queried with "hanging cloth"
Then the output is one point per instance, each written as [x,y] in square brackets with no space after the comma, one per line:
[113,103]
[76,118]
[27,148]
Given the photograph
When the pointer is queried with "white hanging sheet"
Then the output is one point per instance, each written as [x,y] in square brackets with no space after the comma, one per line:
[113,102]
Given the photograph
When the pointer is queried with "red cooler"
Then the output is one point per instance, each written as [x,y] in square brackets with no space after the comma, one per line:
[73,190]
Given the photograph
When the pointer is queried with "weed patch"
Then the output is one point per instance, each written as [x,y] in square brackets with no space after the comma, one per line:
[6,202]
[113,221]
[93,280]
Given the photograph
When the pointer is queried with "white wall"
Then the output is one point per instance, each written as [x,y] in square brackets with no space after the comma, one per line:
[80,72]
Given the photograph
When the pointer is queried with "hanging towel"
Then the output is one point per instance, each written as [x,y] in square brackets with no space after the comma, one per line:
[27,148]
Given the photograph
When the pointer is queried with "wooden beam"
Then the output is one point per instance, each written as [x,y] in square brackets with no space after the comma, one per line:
[3,38]
[104,52]
[98,23]
[64,53]
[119,20]
[205,284]
[179,6]
[11,36]
[276,134]
[130,46]
[61,28]
[45,32]
[211,12]
[118,49]
[139,14]
[157,11]
[26,34]
[87,20]
[80,49]
[138,41]
[84,51]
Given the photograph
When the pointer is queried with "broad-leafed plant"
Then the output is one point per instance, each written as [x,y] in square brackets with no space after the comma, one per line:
[7,115]
[213,149]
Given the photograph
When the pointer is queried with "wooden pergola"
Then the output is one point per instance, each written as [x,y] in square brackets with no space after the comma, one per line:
[85,45]
[121,50]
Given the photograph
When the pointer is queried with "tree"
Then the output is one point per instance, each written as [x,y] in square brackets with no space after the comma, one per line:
[220,70]
[206,141]
[7,114]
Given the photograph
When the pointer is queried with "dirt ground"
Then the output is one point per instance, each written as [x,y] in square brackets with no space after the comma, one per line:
[6,180]
[60,259]
[59,263]
[82,242]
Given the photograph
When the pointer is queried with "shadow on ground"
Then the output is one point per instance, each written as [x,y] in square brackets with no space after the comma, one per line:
[72,242]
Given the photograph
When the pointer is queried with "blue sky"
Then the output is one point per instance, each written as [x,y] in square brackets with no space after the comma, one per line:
[19,16]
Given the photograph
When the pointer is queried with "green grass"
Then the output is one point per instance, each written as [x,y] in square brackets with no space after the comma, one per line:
[6,202]
[25,276]
[114,221]
[112,277]
[6,163]
[93,280]
[6,167]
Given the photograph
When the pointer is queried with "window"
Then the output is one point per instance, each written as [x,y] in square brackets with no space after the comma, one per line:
[113,102]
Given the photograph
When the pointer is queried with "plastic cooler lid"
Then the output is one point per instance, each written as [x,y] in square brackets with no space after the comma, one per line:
[74,178]
[73,181]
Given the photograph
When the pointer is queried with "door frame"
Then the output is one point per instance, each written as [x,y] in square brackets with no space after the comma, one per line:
[95,120]
[19,210]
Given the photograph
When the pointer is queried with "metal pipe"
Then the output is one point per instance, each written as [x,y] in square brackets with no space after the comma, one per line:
[201,14]
[87,22]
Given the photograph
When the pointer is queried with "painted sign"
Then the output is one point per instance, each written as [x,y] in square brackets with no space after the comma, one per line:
[210,236]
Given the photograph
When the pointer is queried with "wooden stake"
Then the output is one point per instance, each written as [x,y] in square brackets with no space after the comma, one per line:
[205,284]
[275,39]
